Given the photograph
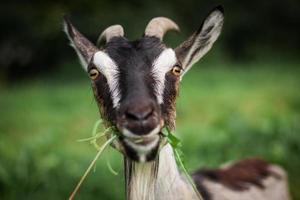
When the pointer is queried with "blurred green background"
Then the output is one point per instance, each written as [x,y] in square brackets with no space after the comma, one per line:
[241,100]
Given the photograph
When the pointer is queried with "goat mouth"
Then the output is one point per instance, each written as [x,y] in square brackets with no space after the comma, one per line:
[141,148]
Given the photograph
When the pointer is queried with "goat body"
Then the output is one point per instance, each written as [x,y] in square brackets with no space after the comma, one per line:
[249,179]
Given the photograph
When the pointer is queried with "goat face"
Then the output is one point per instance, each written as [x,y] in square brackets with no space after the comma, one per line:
[136,83]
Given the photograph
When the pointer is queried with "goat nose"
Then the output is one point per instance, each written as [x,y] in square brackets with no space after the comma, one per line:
[137,113]
[139,117]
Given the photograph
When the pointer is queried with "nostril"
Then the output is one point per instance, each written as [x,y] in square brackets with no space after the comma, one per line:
[131,116]
[148,113]
[144,114]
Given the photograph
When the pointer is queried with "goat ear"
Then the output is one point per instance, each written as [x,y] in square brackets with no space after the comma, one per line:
[197,45]
[83,47]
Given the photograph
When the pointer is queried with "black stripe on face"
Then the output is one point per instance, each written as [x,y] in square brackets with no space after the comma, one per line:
[134,60]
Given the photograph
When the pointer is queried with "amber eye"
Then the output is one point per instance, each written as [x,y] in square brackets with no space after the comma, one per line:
[94,73]
[177,70]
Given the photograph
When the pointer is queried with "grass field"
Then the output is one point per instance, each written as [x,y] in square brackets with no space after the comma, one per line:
[224,114]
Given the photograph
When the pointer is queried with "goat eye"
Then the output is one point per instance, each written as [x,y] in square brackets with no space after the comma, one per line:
[93,73]
[177,70]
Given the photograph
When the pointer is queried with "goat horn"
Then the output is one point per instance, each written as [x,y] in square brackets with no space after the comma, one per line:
[110,32]
[158,26]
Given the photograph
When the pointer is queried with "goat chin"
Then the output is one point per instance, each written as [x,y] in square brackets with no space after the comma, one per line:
[140,148]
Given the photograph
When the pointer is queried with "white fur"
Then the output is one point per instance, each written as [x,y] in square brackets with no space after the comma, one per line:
[143,149]
[164,63]
[142,181]
[110,70]
[168,185]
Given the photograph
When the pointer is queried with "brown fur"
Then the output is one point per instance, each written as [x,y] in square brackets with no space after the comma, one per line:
[241,175]
[170,95]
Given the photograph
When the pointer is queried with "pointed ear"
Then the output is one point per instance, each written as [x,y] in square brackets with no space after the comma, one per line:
[83,47]
[197,45]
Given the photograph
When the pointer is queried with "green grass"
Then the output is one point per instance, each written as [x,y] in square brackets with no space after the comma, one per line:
[224,114]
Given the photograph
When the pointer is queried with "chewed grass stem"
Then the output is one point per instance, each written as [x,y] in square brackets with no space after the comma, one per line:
[95,137]
[114,172]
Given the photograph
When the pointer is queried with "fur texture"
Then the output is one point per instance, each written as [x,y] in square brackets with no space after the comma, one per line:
[244,180]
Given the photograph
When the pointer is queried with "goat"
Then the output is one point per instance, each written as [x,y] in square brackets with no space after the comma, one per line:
[135,84]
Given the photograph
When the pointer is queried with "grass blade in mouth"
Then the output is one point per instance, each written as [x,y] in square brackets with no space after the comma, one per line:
[109,141]
[95,137]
